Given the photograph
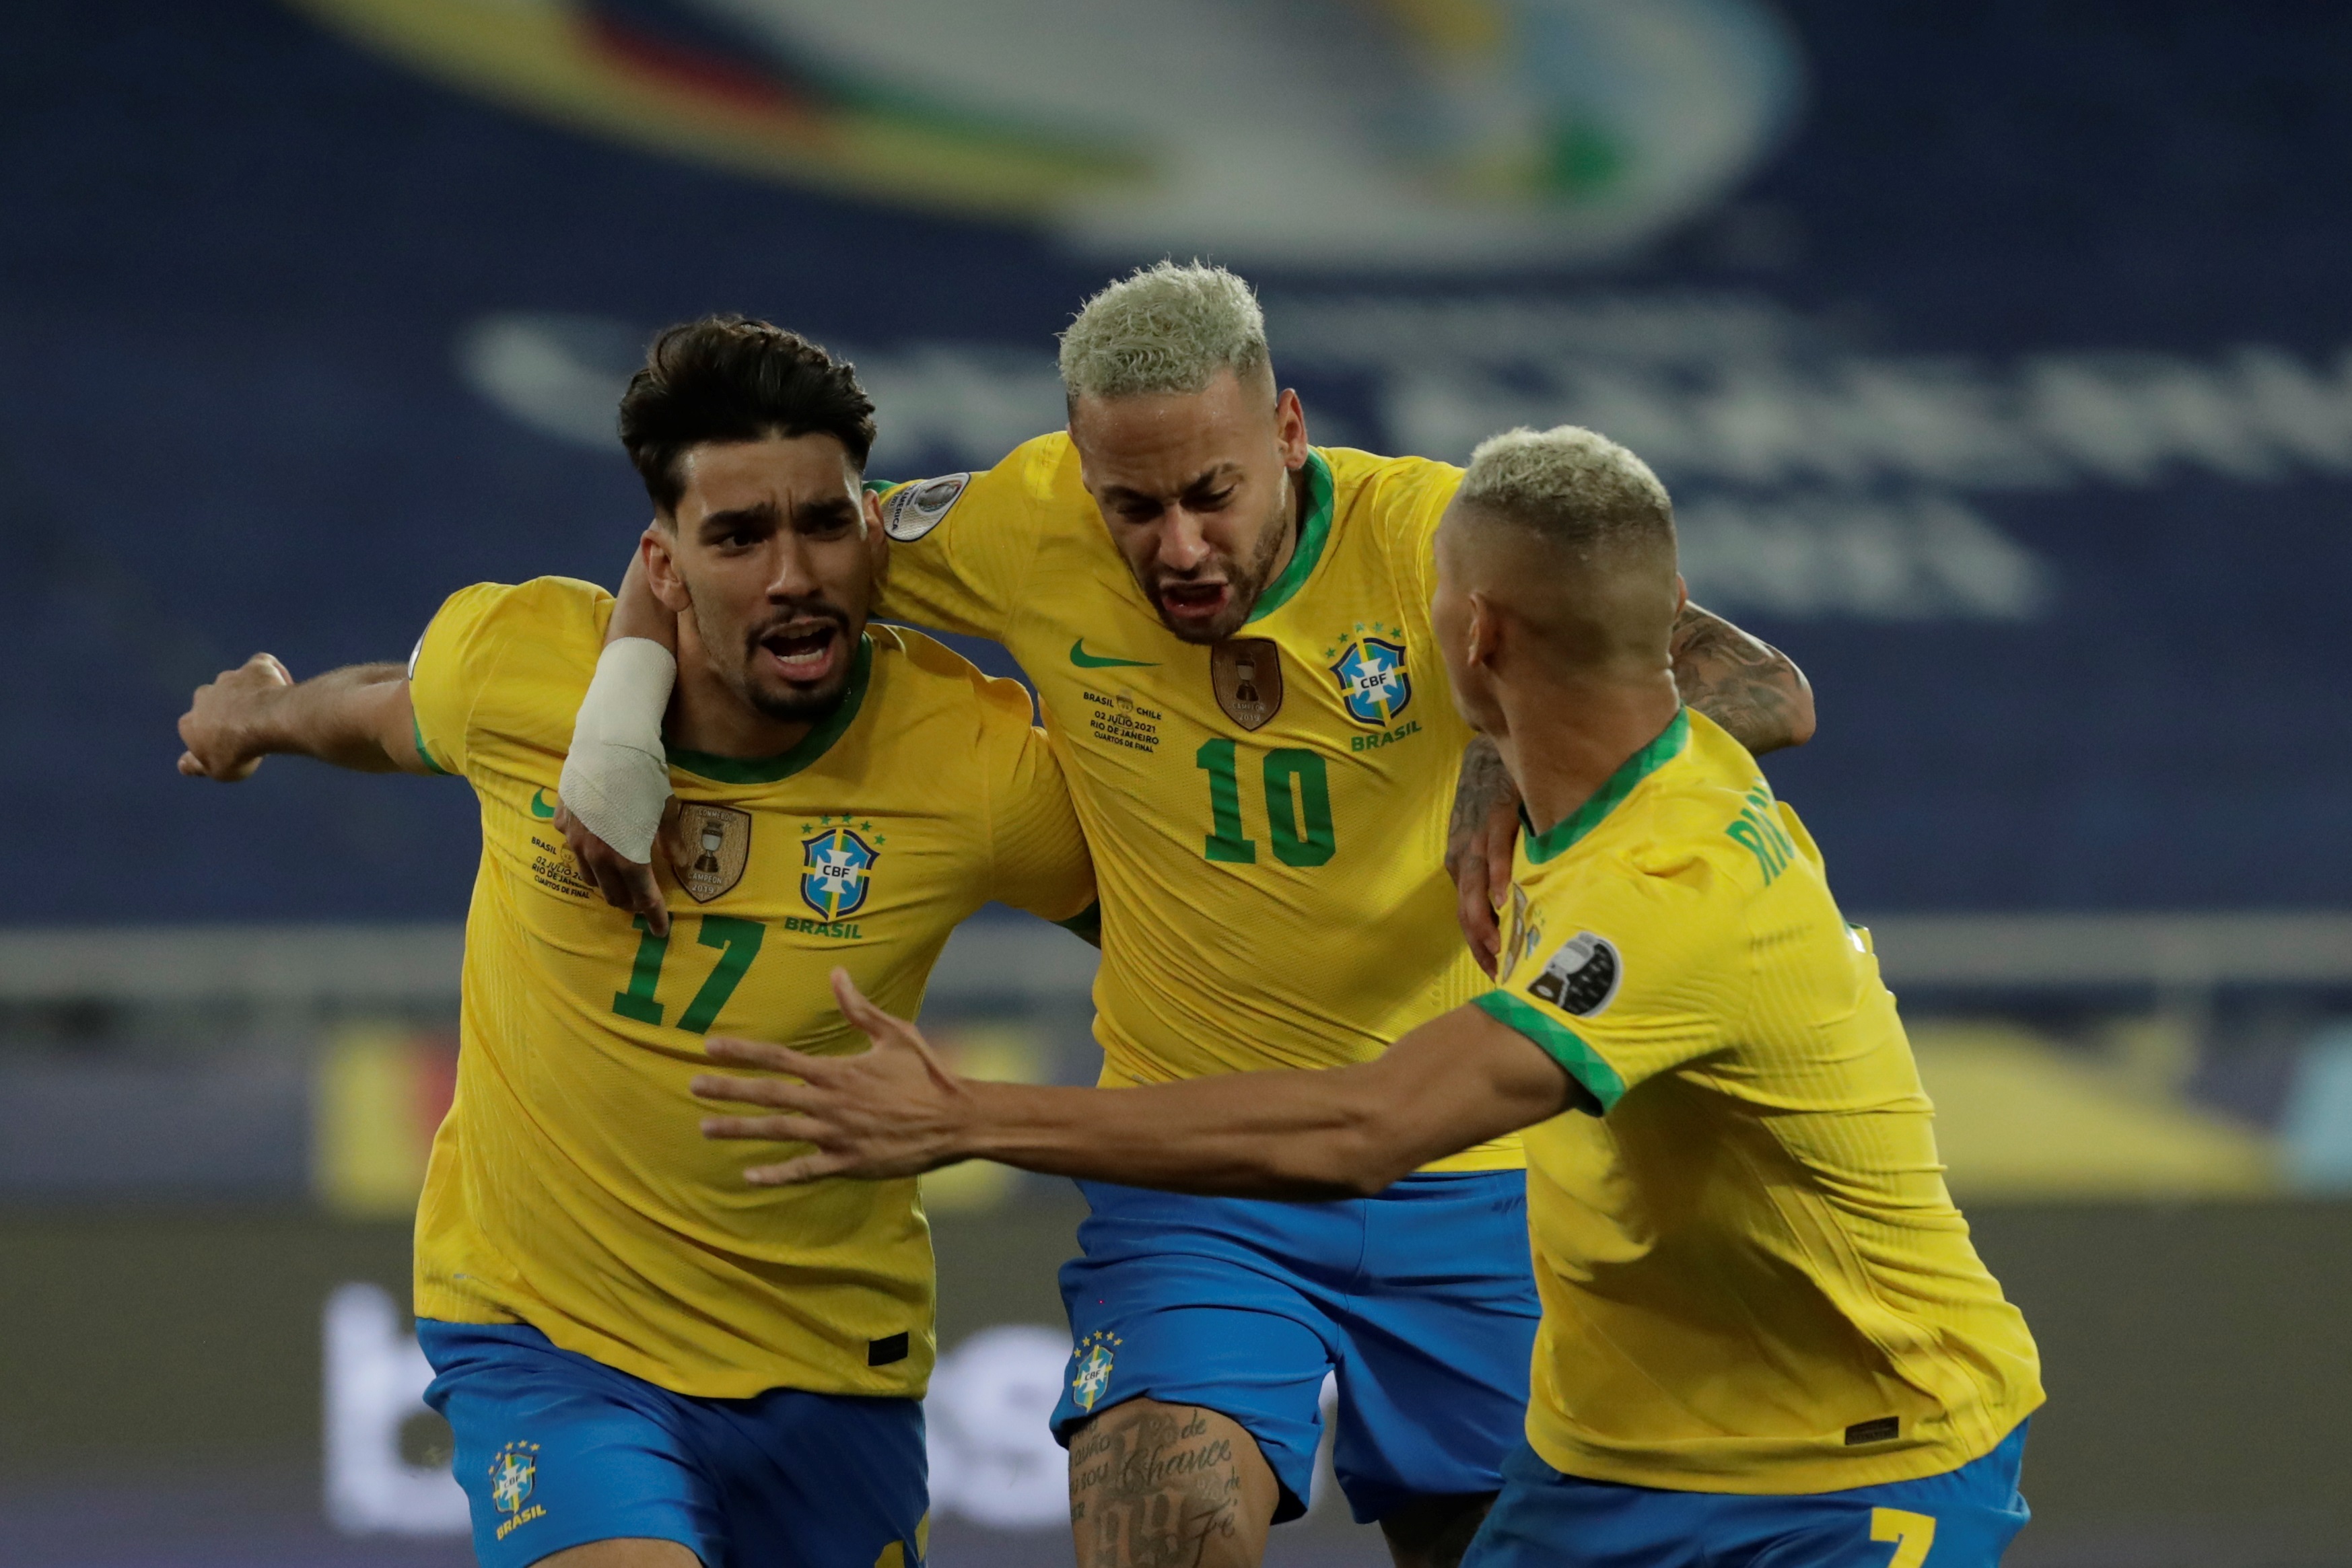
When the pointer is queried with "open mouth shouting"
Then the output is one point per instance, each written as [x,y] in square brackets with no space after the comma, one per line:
[802,652]
[1191,604]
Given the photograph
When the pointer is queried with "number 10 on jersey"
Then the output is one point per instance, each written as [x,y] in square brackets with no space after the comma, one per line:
[1298,805]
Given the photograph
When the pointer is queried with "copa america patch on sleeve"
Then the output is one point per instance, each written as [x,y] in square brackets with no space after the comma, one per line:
[1581,979]
[911,511]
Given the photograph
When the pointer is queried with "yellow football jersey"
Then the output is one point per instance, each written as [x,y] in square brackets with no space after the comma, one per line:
[1753,1277]
[571,1187]
[1267,818]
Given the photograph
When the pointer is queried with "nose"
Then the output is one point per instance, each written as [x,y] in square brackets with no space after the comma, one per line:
[1183,546]
[793,572]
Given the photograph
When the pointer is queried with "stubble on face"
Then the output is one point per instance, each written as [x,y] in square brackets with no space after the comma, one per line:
[1246,581]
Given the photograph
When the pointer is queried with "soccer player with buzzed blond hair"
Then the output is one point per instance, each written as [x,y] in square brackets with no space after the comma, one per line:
[1767,1340]
[1228,628]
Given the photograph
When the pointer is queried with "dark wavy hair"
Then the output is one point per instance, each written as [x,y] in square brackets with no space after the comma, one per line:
[728,377]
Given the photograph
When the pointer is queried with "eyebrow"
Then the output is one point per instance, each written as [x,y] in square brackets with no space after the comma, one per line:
[763,512]
[832,510]
[1194,483]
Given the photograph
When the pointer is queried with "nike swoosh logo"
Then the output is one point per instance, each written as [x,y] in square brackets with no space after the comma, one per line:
[1086,661]
[540,808]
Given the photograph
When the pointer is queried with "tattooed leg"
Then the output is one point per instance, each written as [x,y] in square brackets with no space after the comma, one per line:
[1435,1531]
[1169,1486]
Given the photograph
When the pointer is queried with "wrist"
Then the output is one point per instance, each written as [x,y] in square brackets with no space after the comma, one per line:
[264,728]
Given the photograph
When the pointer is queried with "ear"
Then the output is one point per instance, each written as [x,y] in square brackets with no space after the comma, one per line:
[1682,596]
[1483,638]
[660,545]
[1290,428]
[877,543]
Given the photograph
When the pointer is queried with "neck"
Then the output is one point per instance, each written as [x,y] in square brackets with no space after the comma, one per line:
[1297,480]
[706,715]
[1559,766]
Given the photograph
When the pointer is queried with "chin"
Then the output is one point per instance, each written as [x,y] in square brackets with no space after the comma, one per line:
[794,705]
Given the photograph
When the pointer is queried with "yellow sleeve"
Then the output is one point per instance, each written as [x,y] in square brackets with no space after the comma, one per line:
[1037,856]
[1634,972]
[493,665]
[961,545]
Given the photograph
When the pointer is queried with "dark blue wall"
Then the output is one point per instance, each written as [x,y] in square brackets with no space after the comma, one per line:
[235,252]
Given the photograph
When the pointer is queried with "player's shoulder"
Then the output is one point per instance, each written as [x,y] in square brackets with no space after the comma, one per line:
[547,623]
[918,678]
[550,604]
[1039,471]
[1663,835]
[1389,484]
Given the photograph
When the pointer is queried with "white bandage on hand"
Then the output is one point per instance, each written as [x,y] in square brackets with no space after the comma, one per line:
[617,780]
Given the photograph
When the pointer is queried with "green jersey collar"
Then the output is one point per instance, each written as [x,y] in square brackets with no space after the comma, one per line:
[1313,534]
[811,746]
[1668,745]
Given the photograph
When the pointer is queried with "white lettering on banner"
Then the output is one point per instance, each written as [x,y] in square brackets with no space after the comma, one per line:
[1812,478]
[993,1459]
[375,1382]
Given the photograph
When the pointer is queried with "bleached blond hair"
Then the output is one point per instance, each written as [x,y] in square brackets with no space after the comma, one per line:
[1573,485]
[1166,328]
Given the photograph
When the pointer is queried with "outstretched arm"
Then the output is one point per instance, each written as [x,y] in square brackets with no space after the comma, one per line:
[894,1110]
[356,717]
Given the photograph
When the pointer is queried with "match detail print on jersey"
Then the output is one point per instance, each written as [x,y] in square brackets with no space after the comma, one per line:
[1246,676]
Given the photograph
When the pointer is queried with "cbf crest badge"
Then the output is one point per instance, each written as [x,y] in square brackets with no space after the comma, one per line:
[837,870]
[1092,1362]
[1370,666]
[1246,674]
[714,845]
[514,1470]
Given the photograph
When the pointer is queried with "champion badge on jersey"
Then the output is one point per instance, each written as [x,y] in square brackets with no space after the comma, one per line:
[1372,679]
[1091,1379]
[837,871]
[714,845]
[1246,674]
[911,511]
[514,1470]
[1581,979]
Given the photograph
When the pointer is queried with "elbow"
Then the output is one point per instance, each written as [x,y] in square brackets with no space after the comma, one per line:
[1801,708]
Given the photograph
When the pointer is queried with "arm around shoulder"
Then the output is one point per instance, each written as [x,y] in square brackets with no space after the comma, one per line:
[1749,687]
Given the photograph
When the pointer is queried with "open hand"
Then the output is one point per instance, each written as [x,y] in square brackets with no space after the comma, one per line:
[625,883]
[892,1111]
[218,729]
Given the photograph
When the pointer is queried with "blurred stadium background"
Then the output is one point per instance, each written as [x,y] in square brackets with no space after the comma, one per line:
[1999,355]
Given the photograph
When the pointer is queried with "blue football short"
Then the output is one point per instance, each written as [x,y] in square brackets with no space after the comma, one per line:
[1422,1300]
[1961,1518]
[555,1449]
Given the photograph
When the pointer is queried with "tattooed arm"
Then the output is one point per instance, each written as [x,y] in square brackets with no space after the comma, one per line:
[1745,685]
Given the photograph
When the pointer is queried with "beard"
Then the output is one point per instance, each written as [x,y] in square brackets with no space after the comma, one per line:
[1245,582]
[773,696]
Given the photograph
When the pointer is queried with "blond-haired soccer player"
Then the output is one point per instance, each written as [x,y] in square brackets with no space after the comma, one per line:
[1766,1337]
[645,1365]
[1229,632]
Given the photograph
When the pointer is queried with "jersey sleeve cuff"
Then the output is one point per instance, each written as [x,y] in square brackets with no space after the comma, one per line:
[425,753]
[1578,1060]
